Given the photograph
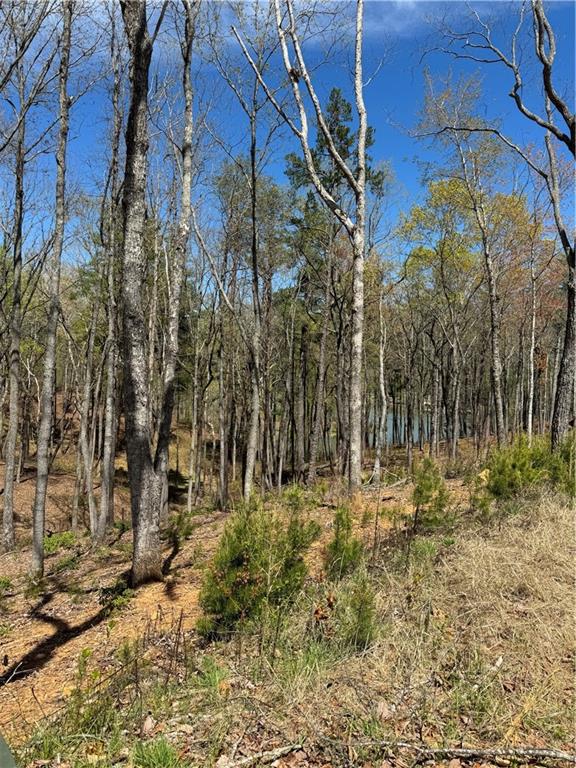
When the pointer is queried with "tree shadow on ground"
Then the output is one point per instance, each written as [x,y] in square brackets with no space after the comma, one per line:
[38,656]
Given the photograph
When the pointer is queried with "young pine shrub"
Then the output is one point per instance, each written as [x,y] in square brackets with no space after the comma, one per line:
[356,619]
[430,495]
[259,561]
[344,552]
[520,466]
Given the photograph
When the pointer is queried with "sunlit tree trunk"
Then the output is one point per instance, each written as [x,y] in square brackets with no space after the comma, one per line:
[49,375]
[145,488]
[383,405]
[15,340]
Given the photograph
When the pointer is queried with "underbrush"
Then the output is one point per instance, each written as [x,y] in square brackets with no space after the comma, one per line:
[259,564]
[524,468]
[456,628]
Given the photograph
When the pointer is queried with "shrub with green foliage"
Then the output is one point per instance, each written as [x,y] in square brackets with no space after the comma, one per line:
[259,561]
[430,495]
[57,541]
[115,597]
[356,613]
[294,497]
[520,466]
[344,552]
[5,586]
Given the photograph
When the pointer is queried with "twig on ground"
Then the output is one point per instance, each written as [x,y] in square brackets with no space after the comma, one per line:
[265,757]
[526,754]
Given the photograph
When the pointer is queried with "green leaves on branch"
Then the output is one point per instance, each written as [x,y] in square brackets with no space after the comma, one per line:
[344,552]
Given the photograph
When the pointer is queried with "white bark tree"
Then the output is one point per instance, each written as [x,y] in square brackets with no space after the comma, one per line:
[148,467]
[354,220]
[49,374]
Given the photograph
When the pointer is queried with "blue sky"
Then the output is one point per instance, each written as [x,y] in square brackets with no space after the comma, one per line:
[401,31]
[395,99]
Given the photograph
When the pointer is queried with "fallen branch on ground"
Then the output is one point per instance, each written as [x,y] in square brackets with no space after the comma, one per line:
[265,757]
[526,754]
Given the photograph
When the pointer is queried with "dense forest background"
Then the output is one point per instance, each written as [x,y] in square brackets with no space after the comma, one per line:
[206,263]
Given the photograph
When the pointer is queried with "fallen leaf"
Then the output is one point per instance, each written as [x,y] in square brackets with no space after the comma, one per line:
[147,726]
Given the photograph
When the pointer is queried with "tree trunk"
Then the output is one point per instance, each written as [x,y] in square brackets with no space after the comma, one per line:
[145,486]
[106,513]
[252,444]
[223,401]
[358,243]
[530,405]
[253,433]
[175,277]
[84,437]
[301,405]
[567,369]
[383,418]
[49,375]
[8,539]
[434,427]
[193,430]
[319,399]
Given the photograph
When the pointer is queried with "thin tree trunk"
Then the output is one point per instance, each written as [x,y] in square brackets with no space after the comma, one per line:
[49,376]
[222,425]
[530,406]
[358,241]
[319,399]
[110,419]
[8,539]
[84,437]
[454,437]
[176,276]
[496,371]
[433,447]
[252,444]
[567,368]
[301,406]
[193,430]
[253,432]
[383,419]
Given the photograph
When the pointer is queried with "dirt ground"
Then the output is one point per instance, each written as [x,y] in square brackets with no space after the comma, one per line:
[42,637]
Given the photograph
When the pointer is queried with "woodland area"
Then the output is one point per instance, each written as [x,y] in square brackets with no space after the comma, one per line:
[245,376]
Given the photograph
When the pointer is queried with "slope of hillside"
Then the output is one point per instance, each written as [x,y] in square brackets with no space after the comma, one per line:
[473,645]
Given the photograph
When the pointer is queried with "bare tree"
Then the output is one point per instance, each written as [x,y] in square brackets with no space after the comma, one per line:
[147,470]
[354,221]
[557,120]
[108,237]
[49,375]
[27,81]
[176,276]
[144,487]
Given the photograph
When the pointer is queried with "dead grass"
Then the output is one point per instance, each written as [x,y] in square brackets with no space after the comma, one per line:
[476,638]
[475,646]
[480,631]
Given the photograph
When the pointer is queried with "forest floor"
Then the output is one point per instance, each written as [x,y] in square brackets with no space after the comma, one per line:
[475,643]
